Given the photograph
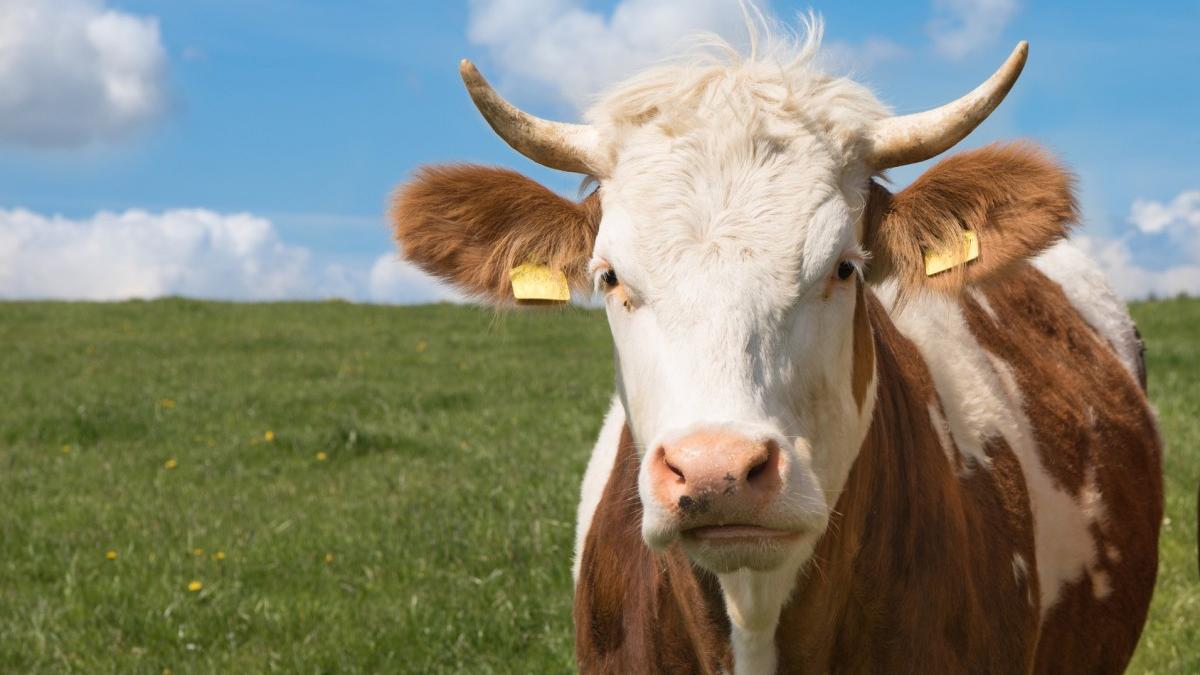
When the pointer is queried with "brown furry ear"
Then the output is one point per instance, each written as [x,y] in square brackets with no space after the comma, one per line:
[1015,197]
[471,224]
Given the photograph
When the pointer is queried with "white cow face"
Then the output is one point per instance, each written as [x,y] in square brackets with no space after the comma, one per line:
[729,260]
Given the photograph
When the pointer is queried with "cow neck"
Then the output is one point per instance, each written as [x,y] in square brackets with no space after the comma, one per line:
[901,543]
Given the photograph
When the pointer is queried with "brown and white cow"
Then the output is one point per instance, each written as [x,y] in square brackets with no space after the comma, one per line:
[818,458]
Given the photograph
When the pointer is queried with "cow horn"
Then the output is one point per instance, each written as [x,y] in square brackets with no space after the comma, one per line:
[558,145]
[909,139]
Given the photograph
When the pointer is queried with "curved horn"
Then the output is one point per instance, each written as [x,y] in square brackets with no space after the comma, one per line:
[909,139]
[567,147]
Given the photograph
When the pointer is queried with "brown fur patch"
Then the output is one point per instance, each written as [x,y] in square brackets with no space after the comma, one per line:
[864,348]
[1015,197]
[1093,419]
[470,225]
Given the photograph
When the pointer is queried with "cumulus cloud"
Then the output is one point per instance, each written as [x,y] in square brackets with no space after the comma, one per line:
[73,72]
[1161,257]
[1181,213]
[394,281]
[960,27]
[576,52]
[190,252]
[1134,279]
[137,254]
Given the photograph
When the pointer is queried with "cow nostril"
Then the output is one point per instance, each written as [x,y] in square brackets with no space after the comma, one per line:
[760,467]
[676,471]
[757,470]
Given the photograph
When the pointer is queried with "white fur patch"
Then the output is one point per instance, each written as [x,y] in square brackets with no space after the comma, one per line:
[595,479]
[1020,568]
[753,600]
[1089,293]
[981,298]
[943,432]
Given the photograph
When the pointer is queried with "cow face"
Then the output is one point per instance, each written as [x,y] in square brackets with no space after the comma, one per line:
[734,226]
[729,261]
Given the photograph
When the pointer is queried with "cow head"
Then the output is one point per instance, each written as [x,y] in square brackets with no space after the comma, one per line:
[733,228]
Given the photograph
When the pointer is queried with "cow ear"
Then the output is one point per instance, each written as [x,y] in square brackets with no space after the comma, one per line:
[1015,199]
[470,225]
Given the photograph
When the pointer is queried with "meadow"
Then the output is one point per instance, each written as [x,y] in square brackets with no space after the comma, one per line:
[326,487]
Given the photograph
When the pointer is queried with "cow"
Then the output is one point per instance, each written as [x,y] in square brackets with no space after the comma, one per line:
[822,455]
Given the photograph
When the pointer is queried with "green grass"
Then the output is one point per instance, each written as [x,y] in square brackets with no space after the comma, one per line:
[454,442]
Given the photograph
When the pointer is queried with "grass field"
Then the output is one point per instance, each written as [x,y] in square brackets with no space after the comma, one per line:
[326,487]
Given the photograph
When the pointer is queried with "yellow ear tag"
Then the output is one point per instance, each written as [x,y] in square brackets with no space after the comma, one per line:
[940,261]
[537,284]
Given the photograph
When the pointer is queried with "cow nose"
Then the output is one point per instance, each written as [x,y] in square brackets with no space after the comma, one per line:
[717,472]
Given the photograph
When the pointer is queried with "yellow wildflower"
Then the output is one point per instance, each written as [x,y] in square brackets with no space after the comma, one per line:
[194,586]
[269,436]
[328,558]
[170,464]
[421,346]
[66,449]
[322,456]
[167,403]
[219,555]
[111,554]
[198,552]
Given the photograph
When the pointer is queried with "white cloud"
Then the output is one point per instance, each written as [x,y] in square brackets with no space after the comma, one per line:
[576,53]
[959,27]
[1134,280]
[191,252]
[1153,216]
[394,281]
[73,72]
[137,254]
[1161,256]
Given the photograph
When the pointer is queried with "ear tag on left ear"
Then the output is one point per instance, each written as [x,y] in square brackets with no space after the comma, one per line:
[940,261]
[538,284]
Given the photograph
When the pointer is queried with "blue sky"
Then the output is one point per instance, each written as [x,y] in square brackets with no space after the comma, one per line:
[245,148]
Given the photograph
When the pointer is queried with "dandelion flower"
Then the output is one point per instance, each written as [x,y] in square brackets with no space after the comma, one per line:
[421,346]
[269,436]
[170,464]
[167,403]
[328,558]
[219,555]
[111,554]
[322,456]
[195,586]
[66,449]
[198,552]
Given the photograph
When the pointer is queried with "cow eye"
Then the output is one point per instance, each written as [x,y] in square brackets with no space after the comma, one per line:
[845,269]
[609,277]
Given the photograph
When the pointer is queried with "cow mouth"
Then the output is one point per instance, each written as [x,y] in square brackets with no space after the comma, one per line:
[734,534]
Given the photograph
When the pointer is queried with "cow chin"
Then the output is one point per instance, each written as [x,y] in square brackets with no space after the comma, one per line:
[761,554]
[725,548]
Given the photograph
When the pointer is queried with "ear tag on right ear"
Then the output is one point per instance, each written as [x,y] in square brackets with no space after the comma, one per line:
[937,262]
[538,284]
